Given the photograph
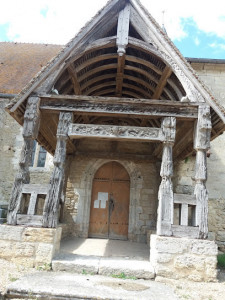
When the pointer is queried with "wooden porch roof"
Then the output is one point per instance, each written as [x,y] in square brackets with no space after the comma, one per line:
[121,53]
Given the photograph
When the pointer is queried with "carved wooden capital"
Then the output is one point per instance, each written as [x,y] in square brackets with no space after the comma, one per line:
[169,129]
[31,118]
[65,118]
[203,128]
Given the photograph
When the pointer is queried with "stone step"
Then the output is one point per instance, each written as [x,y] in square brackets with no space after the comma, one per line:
[107,266]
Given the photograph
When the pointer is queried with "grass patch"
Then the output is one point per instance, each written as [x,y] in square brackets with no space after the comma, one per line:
[123,276]
[12,279]
[221,261]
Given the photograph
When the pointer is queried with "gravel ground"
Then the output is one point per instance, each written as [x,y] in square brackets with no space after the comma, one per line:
[10,272]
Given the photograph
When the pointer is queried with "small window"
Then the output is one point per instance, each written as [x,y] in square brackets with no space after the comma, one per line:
[38,155]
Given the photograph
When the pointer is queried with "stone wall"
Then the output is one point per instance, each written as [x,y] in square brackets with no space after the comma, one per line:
[11,142]
[29,246]
[144,181]
[180,258]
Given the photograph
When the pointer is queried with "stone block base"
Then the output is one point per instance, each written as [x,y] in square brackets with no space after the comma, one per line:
[29,246]
[180,258]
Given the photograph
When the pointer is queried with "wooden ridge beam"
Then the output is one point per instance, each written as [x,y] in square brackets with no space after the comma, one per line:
[162,82]
[122,42]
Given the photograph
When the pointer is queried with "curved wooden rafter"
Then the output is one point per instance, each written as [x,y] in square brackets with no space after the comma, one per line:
[158,82]
[96,79]
[105,92]
[97,70]
[96,88]
[96,59]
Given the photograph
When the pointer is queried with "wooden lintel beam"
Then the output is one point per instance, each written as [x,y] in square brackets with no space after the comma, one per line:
[130,107]
[162,82]
[73,74]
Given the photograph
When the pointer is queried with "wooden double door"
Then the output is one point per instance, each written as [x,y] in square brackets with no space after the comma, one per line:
[109,215]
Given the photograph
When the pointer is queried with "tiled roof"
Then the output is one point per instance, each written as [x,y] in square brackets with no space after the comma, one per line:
[20,62]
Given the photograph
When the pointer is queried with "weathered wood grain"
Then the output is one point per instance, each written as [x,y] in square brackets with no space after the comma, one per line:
[165,195]
[30,132]
[202,144]
[51,206]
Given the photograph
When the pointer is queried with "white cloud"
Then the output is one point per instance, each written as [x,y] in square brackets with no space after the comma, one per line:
[61,20]
[197,41]
[218,46]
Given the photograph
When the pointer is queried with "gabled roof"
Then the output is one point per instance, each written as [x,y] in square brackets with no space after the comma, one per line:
[20,62]
[149,31]
[121,52]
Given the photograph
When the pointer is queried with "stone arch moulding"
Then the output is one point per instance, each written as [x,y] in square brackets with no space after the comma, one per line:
[85,192]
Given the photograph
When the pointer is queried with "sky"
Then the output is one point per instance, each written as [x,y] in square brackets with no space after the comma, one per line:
[197,27]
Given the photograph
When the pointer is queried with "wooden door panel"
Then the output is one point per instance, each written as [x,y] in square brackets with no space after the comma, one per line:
[99,209]
[120,215]
[111,181]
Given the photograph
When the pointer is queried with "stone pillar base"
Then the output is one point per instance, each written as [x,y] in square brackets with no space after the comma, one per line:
[183,258]
[29,246]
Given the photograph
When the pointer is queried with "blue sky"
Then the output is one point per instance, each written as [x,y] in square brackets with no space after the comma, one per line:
[196,28]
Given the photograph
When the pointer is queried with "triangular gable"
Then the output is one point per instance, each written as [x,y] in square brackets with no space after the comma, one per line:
[148,30]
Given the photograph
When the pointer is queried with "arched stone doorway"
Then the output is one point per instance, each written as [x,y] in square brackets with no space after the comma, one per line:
[109,211]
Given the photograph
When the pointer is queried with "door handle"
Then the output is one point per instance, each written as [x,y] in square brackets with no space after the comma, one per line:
[111,205]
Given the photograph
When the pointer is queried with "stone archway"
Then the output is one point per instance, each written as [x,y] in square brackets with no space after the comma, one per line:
[84,201]
[109,212]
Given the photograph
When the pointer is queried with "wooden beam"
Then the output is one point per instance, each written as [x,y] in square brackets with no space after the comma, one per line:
[73,74]
[119,106]
[162,82]
[117,133]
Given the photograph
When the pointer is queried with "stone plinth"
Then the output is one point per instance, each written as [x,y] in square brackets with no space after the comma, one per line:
[180,258]
[29,246]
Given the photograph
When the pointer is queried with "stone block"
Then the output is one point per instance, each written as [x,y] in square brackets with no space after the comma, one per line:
[221,236]
[203,247]
[44,253]
[169,244]
[43,235]
[187,261]
[11,233]
[23,249]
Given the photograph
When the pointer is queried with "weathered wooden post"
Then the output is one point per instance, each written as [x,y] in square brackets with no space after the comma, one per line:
[202,144]
[50,215]
[30,132]
[165,195]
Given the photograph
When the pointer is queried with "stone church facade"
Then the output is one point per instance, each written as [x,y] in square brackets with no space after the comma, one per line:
[89,107]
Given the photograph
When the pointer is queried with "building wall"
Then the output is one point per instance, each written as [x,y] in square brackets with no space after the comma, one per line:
[144,181]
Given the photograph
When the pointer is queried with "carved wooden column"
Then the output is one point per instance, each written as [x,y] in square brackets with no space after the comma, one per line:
[50,215]
[165,195]
[201,145]
[30,132]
